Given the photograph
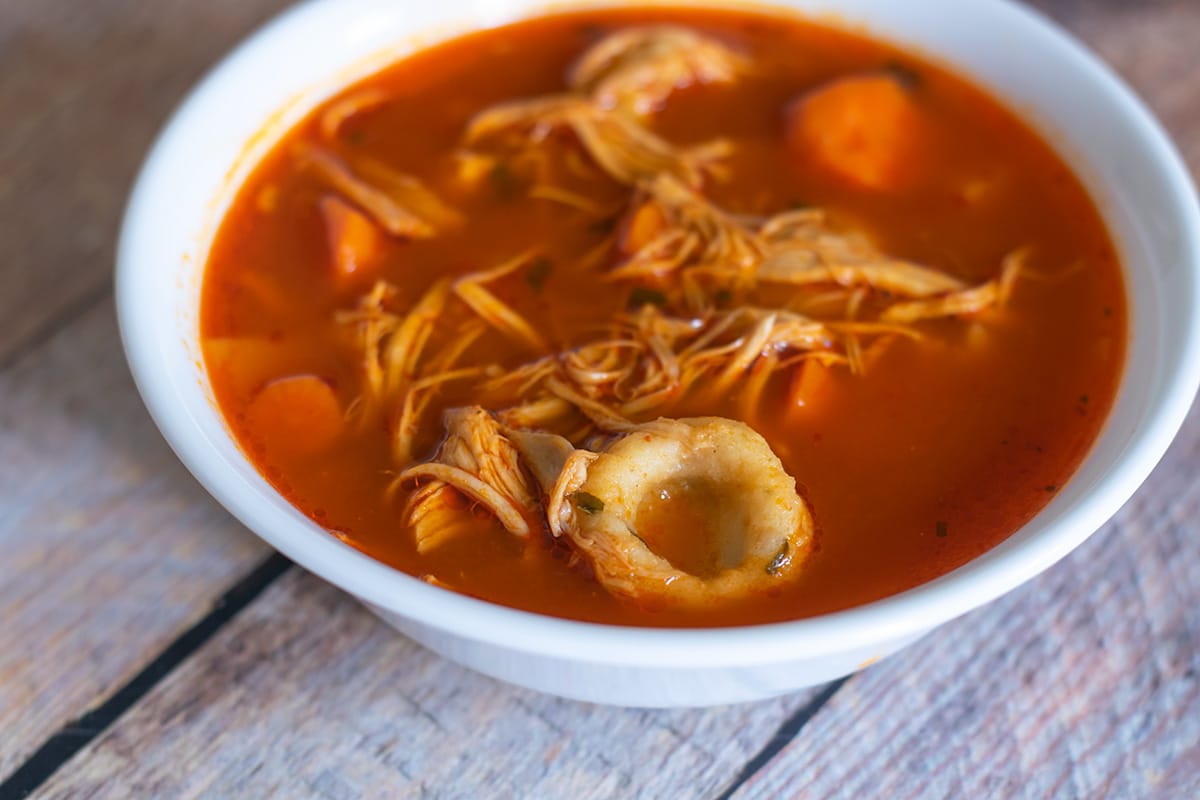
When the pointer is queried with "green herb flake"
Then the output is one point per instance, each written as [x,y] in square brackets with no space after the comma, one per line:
[798,205]
[357,138]
[1083,398]
[591,31]
[723,297]
[1051,488]
[780,560]
[643,296]
[587,503]
[903,74]
[603,226]
[636,535]
[504,182]
[537,274]
[941,529]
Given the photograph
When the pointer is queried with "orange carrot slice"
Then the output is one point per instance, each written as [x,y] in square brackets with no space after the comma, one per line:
[244,364]
[810,381]
[866,129]
[298,415]
[355,243]
[641,227]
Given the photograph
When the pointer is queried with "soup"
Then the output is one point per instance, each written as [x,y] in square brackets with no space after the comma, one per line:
[665,317]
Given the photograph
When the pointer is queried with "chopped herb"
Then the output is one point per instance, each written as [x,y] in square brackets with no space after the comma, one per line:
[723,297]
[941,529]
[1051,488]
[603,226]
[537,273]
[1108,312]
[798,205]
[904,75]
[780,560]
[1004,441]
[1083,398]
[504,182]
[588,503]
[357,137]
[642,296]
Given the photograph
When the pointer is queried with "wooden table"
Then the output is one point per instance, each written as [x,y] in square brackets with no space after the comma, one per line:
[151,646]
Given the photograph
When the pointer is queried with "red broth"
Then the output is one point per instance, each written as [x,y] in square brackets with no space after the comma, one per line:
[937,452]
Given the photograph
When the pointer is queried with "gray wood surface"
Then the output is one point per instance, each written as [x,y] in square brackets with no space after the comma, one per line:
[1152,44]
[306,694]
[109,547]
[84,86]
[1082,684]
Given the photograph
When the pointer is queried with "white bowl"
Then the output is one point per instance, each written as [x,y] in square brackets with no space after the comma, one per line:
[233,117]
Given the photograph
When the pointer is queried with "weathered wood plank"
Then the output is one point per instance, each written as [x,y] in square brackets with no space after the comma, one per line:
[110,547]
[1152,44]
[1085,683]
[306,694]
[83,88]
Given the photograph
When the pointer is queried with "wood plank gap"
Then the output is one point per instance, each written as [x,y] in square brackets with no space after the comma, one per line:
[76,734]
[787,731]
[47,329]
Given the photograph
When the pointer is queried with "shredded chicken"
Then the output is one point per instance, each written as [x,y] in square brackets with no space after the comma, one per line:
[401,372]
[470,289]
[399,203]
[687,235]
[652,360]
[636,69]
[622,147]
[478,461]
[627,74]
[371,323]
[341,111]
[963,301]
[804,249]
[675,234]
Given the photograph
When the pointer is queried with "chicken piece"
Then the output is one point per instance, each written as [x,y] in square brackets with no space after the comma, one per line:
[676,228]
[399,203]
[341,111]
[625,150]
[805,249]
[964,301]
[478,461]
[495,312]
[636,69]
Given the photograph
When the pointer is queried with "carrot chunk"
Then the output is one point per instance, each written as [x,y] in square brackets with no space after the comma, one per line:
[298,415]
[641,227]
[244,364]
[355,243]
[810,381]
[866,129]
